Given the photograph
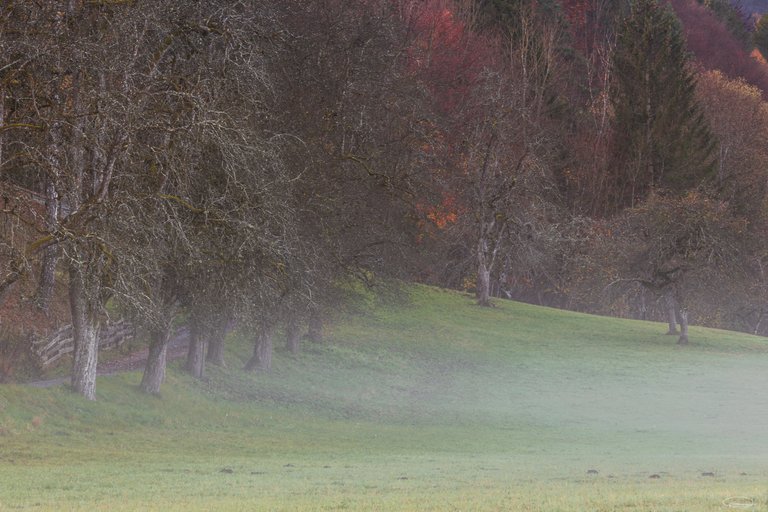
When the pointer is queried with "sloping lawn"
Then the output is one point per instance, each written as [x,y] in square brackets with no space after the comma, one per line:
[435,404]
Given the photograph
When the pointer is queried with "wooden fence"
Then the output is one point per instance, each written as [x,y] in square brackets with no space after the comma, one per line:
[61,342]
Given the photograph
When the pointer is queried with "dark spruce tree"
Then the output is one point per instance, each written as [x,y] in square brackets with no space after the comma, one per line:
[661,139]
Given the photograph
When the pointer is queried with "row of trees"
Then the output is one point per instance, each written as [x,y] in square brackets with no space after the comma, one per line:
[205,160]
[638,192]
[240,162]
[699,233]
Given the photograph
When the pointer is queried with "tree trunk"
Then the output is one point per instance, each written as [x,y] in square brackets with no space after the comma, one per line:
[292,335]
[154,371]
[683,316]
[47,278]
[643,311]
[54,209]
[77,143]
[47,281]
[262,351]
[197,348]
[86,336]
[2,123]
[483,285]
[215,353]
[315,327]
[670,304]
[756,330]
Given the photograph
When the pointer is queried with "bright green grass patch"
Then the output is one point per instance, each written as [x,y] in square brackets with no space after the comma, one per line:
[435,404]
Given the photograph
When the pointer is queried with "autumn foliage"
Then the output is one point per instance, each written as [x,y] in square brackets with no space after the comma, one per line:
[237,162]
[446,55]
[715,47]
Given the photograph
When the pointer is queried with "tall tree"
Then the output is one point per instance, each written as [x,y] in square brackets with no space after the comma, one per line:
[356,121]
[661,137]
[148,137]
[739,117]
[491,91]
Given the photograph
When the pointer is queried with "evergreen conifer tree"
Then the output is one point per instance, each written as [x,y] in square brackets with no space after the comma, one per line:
[661,137]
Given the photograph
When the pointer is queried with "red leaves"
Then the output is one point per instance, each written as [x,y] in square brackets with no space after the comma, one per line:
[581,17]
[444,53]
[715,47]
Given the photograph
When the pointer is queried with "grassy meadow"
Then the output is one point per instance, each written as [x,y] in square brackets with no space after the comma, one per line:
[435,404]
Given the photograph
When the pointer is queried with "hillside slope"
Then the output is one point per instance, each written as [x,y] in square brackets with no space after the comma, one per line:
[429,405]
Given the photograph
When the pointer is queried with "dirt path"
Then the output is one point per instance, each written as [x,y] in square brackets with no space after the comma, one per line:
[177,348]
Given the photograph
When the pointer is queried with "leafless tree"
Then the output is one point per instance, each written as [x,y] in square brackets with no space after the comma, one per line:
[351,119]
[671,246]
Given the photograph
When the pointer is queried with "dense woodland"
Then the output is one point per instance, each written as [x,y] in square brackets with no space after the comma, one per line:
[249,164]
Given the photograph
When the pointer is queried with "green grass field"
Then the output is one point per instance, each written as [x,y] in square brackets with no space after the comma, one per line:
[432,405]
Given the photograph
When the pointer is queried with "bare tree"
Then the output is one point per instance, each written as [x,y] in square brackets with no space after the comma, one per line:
[671,246]
[352,121]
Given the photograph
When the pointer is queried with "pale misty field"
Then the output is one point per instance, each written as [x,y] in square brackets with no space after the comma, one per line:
[431,405]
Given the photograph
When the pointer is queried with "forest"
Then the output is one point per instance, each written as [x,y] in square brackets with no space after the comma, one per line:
[249,164]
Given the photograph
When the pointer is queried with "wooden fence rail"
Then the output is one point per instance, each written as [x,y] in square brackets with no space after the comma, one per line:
[61,342]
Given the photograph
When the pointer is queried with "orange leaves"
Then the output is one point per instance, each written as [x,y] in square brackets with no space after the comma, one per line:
[759,57]
[443,214]
[441,219]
